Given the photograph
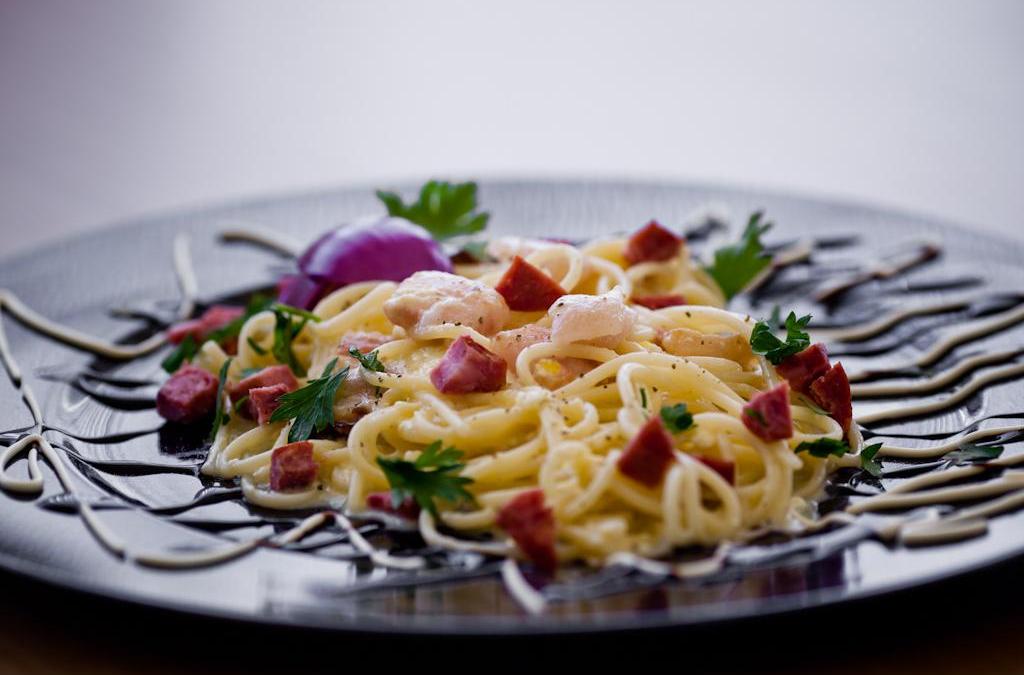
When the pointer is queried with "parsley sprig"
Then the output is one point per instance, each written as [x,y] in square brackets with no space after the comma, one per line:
[368,361]
[736,265]
[188,348]
[971,453]
[826,447]
[312,406]
[285,331]
[676,417]
[185,351]
[764,341]
[444,209]
[219,417]
[432,476]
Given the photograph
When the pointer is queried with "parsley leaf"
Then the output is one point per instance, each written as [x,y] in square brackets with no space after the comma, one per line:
[676,417]
[444,209]
[823,447]
[764,341]
[643,398]
[285,332]
[736,265]
[431,476]
[368,361]
[868,461]
[185,351]
[971,453]
[220,418]
[312,406]
[255,346]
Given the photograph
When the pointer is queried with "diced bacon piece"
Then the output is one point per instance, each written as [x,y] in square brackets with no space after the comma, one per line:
[531,525]
[527,288]
[263,401]
[660,301]
[381,501]
[188,396]
[214,318]
[803,368]
[292,467]
[560,371]
[467,367]
[832,392]
[266,377]
[509,343]
[688,342]
[722,467]
[429,299]
[365,342]
[652,243]
[649,453]
[599,320]
[768,416]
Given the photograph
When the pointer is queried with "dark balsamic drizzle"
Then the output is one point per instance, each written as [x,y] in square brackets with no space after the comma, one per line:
[837,287]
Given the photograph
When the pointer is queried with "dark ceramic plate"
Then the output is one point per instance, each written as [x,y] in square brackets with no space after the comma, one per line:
[78,281]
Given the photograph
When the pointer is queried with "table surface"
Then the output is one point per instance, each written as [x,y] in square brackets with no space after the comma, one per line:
[114,109]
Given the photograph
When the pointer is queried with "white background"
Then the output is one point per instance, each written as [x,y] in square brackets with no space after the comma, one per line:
[111,109]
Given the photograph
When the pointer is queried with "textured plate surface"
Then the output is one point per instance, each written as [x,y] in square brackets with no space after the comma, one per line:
[78,281]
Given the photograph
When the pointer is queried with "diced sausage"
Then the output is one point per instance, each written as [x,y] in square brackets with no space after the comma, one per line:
[832,392]
[803,368]
[687,342]
[381,501]
[660,301]
[649,453]
[263,401]
[292,467]
[531,525]
[599,320]
[190,395]
[264,378]
[468,367]
[214,318]
[722,467]
[365,342]
[768,416]
[527,288]
[509,343]
[429,299]
[652,243]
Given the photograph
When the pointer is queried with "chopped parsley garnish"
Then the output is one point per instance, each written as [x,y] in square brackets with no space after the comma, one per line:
[285,332]
[868,461]
[444,209]
[676,417]
[219,417]
[764,341]
[970,453]
[255,346]
[736,265]
[824,447]
[188,348]
[240,403]
[368,361]
[432,476]
[312,406]
[185,351]
[643,398]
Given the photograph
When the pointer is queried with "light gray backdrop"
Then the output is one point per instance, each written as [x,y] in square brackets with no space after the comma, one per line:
[112,109]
